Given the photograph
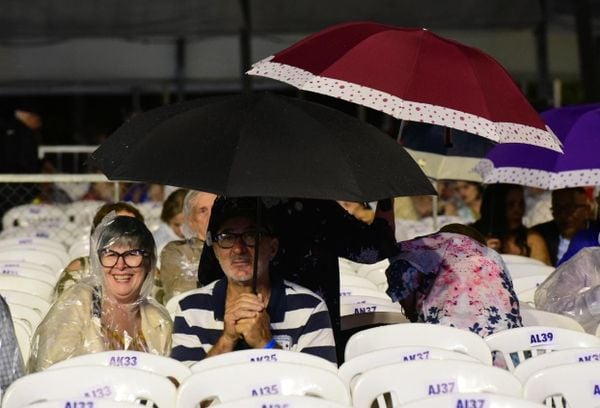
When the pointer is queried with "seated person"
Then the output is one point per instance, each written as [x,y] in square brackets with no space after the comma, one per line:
[111,309]
[501,222]
[573,289]
[589,237]
[80,267]
[11,362]
[179,259]
[227,315]
[571,212]
[451,277]
[171,217]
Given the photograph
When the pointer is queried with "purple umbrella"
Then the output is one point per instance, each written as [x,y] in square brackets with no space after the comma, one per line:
[577,127]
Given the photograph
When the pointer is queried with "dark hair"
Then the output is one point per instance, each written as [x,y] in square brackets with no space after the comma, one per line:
[128,231]
[116,207]
[466,230]
[493,216]
[226,208]
[173,205]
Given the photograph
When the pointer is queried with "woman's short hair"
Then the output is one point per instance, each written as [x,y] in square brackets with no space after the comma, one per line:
[117,207]
[173,205]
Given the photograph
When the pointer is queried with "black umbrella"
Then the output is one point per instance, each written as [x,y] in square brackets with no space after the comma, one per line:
[261,145]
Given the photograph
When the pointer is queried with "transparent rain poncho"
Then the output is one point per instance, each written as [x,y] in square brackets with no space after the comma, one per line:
[573,289]
[112,308]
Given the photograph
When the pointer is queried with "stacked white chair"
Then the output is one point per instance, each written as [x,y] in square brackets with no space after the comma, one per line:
[28,285]
[418,334]
[28,270]
[116,383]
[23,335]
[262,356]
[477,400]
[17,297]
[25,314]
[161,365]
[85,403]
[40,256]
[406,382]
[525,283]
[80,248]
[568,356]
[567,385]
[32,214]
[259,379]
[518,344]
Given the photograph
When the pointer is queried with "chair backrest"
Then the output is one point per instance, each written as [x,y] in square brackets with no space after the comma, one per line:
[262,355]
[27,315]
[518,344]
[120,384]
[23,284]
[363,291]
[472,399]
[578,384]
[421,379]
[352,305]
[261,379]
[535,317]
[351,369]
[55,252]
[32,301]
[85,403]
[569,356]
[527,297]
[355,280]
[34,272]
[523,283]
[31,242]
[287,401]
[79,249]
[23,335]
[52,260]
[510,259]
[354,321]
[418,334]
[523,270]
[162,365]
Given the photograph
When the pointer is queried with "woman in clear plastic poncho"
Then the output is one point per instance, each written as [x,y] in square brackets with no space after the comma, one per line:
[573,289]
[112,308]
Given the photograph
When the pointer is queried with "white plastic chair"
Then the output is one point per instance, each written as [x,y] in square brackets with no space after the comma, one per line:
[527,297]
[79,248]
[85,403]
[524,283]
[535,317]
[352,369]
[578,384]
[363,291]
[353,321]
[31,242]
[33,272]
[161,365]
[28,243]
[39,256]
[23,335]
[31,214]
[262,355]
[40,305]
[475,399]
[510,259]
[23,284]
[235,381]
[355,280]
[422,379]
[353,305]
[518,344]
[522,270]
[27,315]
[418,334]
[120,384]
[568,356]
[281,401]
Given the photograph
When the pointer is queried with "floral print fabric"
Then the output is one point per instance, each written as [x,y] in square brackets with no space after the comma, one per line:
[455,281]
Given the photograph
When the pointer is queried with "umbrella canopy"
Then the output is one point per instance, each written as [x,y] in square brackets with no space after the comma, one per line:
[412,74]
[261,145]
[445,154]
[577,127]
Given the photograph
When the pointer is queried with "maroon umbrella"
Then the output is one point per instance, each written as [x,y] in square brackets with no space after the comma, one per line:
[412,74]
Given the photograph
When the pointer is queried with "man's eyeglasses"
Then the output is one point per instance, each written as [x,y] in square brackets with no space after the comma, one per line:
[132,258]
[227,240]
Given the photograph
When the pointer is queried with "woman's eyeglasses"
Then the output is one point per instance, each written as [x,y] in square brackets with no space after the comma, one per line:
[227,240]
[132,258]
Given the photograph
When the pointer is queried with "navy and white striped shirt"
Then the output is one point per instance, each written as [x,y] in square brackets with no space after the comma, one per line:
[299,321]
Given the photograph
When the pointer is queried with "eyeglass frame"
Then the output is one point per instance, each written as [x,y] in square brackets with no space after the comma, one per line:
[252,234]
[122,255]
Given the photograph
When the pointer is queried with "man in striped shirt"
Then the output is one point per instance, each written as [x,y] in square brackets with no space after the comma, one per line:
[226,315]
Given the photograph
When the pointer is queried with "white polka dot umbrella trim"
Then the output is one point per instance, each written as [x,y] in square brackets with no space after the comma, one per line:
[501,132]
[537,178]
